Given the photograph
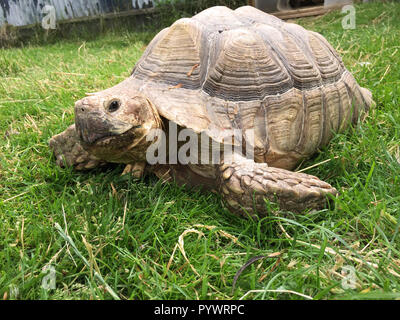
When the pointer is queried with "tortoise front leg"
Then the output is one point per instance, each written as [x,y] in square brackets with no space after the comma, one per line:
[245,183]
[69,152]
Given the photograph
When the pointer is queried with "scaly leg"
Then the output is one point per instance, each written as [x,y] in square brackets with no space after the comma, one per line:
[69,152]
[245,184]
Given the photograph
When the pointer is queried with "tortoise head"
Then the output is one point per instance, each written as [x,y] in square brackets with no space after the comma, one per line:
[113,124]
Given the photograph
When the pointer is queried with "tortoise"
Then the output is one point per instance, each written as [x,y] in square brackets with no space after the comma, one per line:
[272,92]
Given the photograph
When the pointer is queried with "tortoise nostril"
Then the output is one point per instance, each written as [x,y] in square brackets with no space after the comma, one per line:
[81,108]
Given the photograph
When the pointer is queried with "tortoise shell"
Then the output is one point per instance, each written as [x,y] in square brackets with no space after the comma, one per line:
[224,70]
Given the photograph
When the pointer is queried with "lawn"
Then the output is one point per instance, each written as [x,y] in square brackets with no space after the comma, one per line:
[109,236]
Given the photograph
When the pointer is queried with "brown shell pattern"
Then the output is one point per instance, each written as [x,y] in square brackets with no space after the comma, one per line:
[244,69]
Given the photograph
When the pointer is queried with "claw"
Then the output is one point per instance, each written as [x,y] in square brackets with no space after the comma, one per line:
[136,169]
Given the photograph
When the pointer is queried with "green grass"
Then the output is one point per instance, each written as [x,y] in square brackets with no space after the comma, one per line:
[127,229]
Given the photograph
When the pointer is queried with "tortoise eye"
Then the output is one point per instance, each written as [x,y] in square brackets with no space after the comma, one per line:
[113,106]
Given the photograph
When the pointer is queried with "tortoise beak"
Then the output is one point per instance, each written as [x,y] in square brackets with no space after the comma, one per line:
[93,125]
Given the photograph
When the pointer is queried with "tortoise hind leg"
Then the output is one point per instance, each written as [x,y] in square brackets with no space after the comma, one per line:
[69,152]
[245,184]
